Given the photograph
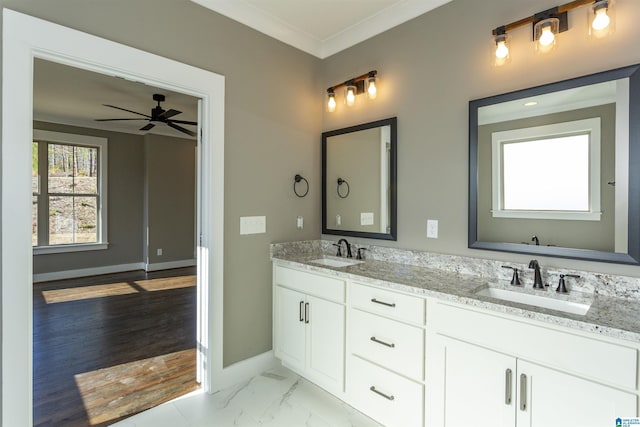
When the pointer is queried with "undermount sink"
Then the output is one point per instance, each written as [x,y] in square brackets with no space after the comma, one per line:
[335,262]
[536,300]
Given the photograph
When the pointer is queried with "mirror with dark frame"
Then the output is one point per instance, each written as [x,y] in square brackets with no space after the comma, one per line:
[359,180]
[554,170]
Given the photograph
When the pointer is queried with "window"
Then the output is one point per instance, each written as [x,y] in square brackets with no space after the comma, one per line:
[548,172]
[69,192]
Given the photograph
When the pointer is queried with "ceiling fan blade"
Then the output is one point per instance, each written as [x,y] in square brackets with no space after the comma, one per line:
[124,109]
[184,122]
[181,129]
[113,120]
[147,127]
[169,113]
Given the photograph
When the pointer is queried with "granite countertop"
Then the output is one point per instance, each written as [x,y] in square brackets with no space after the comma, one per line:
[608,316]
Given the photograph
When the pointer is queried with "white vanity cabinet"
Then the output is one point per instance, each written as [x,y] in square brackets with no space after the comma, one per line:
[385,363]
[309,325]
[488,370]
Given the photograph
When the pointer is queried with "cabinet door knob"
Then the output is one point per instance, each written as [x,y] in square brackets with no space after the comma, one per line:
[379,393]
[392,304]
[523,392]
[376,340]
[507,387]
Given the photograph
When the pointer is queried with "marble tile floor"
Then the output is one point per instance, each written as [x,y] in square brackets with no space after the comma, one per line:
[276,398]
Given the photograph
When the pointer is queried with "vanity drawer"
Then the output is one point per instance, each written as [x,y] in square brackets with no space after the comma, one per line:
[309,283]
[384,396]
[389,343]
[388,303]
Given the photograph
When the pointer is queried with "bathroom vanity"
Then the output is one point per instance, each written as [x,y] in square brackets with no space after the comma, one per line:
[414,346]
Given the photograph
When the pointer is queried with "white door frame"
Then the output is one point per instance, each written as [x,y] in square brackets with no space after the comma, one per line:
[25,38]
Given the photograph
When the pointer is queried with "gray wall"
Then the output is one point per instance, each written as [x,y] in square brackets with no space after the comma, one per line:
[354,157]
[429,69]
[125,193]
[273,113]
[169,191]
[596,235]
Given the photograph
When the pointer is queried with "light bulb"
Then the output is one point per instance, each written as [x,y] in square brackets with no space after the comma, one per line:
[351,95]
[502,51]
[372,90]
[331,105]
[601,20]
[547,37]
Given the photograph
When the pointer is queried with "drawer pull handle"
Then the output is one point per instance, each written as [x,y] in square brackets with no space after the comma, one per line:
[392,304]
[306,312]
[376,340]
[523,392]
[301,317]
[507,387]
[379,393]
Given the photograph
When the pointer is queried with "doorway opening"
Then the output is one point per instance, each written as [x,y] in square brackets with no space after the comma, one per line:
[109,346]
[26,38]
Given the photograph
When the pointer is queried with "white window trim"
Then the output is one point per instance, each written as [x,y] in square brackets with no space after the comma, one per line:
[89,141]
[592,126]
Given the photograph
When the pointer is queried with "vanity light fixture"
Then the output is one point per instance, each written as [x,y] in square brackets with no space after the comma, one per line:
[353,87]
[549,23]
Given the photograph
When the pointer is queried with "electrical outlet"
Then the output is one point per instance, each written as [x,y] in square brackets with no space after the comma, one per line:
[300,222]
[159,252]
[338,220]
[432,228]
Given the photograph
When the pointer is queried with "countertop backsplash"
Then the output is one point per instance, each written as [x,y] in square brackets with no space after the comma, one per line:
[589,282]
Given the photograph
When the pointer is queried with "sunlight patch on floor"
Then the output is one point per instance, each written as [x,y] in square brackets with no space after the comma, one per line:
[117,391]
[112,289]
[87,292]
[167,283]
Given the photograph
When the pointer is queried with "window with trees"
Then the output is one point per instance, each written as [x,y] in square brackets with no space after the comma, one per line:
[69,192]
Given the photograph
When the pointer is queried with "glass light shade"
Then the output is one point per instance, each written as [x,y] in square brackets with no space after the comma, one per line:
[350,95]
[601,22]
[500,47]
[545,34]
[331,104]
[372,89]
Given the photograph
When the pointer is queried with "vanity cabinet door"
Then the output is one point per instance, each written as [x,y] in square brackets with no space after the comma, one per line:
[477,387]
[555,398]
[289,331]
[325,342]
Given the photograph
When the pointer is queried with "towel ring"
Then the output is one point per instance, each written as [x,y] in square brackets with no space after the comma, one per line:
[340,182]
[296,180]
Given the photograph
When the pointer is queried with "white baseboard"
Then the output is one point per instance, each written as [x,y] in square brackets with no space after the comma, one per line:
[244,370]
[84,272]
[170,264]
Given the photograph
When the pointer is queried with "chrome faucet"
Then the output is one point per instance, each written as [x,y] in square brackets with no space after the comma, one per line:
[537,278]
[348,245]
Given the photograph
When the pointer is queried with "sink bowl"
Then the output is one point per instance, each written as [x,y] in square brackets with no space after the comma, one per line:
[536,300]
[335,262]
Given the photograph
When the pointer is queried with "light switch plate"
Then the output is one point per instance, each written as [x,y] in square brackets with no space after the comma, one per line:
[253,224]
[366,218]
[432,228]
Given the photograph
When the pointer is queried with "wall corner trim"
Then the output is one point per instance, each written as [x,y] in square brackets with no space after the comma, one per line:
[244,370]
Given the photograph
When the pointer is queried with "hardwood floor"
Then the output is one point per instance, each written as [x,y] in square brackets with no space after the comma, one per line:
[107,347]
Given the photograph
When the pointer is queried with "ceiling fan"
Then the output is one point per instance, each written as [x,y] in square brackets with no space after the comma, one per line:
[158,114]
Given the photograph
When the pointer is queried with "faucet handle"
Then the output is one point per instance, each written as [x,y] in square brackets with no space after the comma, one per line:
[360,255]
[339,249]
[515,280]
[561,285]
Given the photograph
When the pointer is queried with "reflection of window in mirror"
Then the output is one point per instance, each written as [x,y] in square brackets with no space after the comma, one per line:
[547,172]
